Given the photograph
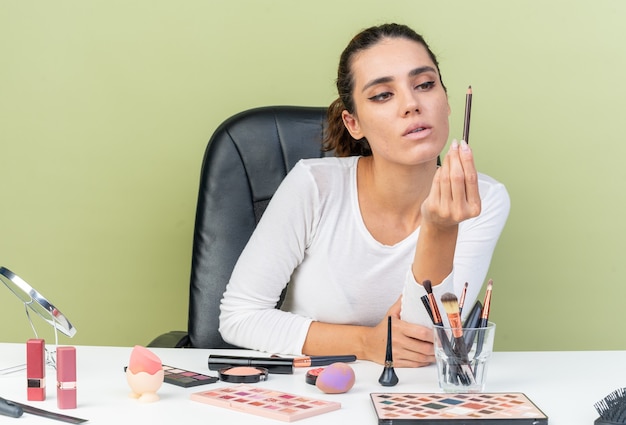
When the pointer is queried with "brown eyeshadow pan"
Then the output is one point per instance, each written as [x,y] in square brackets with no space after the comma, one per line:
[186,378]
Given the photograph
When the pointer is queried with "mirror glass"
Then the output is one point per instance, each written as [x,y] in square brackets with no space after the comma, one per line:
[36,302]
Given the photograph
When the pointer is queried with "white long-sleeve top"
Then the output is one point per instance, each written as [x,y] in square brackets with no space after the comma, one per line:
[312,237]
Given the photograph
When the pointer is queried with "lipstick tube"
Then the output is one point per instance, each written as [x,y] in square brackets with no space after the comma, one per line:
[66,377]
[35,370]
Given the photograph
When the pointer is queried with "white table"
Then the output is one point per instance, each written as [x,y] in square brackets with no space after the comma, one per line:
[564,385]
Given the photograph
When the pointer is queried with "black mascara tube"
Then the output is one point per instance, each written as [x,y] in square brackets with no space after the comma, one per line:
[272,364]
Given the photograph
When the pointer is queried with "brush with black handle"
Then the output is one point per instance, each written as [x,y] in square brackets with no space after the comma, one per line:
[436,317]
[451,305]
[484,318]
[455,370]
[471,323]
[462,299]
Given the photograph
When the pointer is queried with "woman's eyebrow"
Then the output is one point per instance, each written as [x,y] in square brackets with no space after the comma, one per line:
[376,81]
[422,70]
[412,73]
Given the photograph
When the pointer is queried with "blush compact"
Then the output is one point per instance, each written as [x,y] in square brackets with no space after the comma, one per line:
[243,374]
[312,374]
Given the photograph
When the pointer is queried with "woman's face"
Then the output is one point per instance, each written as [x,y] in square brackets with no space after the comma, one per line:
[400,105]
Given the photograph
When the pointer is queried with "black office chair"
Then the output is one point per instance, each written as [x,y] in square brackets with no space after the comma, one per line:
[245,160]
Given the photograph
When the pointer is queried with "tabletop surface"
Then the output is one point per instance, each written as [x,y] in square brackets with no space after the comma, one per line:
[564,385]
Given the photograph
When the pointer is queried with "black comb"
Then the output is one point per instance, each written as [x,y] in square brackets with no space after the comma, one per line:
[612,408]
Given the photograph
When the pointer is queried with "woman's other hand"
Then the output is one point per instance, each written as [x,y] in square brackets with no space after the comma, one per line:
[412,345]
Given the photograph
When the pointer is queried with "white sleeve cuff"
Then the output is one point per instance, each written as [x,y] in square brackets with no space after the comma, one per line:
[413,309]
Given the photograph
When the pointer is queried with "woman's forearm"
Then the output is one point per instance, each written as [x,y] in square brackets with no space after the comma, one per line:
[434,254]
[330,339]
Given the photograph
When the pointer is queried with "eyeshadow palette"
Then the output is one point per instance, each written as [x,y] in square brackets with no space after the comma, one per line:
[266,402]
[444,409]
[186,378]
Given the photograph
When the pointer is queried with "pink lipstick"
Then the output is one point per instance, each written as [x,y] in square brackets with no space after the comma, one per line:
[66,377]
[35,370]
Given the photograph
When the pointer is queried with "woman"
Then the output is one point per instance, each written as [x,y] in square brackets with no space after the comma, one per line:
[355,236]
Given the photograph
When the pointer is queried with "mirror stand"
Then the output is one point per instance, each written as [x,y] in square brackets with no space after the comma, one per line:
[34,301]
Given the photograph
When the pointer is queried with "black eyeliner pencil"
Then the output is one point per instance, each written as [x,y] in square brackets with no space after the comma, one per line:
[10,409]
[468,114]
[48,414]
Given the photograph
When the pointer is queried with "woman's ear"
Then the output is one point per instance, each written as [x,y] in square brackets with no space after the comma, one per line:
[352,125]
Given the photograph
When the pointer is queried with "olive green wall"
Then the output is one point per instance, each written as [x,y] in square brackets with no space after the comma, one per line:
[106,107]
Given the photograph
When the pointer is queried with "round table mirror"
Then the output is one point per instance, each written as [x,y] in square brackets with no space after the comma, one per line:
[36,302]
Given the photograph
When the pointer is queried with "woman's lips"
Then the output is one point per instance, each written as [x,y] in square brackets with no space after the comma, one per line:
[416,127]
[418,132]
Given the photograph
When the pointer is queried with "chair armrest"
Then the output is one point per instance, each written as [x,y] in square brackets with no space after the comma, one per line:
[172,339]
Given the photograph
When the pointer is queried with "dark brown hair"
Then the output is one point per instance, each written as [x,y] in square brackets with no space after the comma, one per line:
[336,136]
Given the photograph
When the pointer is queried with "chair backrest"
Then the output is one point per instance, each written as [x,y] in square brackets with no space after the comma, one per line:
[245,160]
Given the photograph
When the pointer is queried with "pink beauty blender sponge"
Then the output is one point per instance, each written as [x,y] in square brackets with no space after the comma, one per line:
[336,378]
[144,374]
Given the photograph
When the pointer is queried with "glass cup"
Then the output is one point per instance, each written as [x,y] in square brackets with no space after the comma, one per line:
[462,357]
